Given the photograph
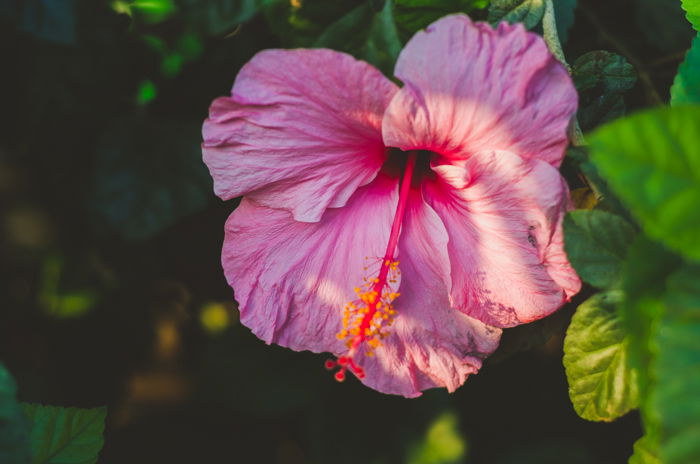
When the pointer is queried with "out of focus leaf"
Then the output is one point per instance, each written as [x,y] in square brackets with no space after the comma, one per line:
[596,243]
[528,12]
[414,15]
[146,93]
[217,17]
[663,24]
[148,175]
[645,451]
[564,14]
[686,85]
[601,78]
[646,269]
[367,34]
[602,386]
[674,400]
[301,23]
[442,444]
[14,436]
[51,20]
[60,302]
[153,11]
[652,161]
[65,435]
[692,12]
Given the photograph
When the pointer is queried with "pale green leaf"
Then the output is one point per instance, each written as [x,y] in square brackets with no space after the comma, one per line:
[602,385]
[692,12]
[645,451]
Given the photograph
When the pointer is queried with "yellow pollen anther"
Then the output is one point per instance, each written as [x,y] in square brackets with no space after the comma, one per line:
[366,319]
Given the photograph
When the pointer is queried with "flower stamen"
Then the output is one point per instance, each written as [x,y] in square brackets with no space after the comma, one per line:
[367,318]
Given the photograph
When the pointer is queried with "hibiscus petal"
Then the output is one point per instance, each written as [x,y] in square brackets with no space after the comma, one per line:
[292,279]
[430,344]
[503,216]
[470,88]
[301,131]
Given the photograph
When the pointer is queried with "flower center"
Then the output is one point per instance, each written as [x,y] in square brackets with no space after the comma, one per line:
[366,319]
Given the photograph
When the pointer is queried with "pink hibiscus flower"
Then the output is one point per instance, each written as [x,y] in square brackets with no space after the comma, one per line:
[404,263]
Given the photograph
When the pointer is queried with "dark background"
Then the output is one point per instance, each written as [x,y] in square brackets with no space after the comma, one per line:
[111,291]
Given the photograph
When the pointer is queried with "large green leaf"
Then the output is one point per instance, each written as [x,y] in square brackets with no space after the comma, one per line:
[692,12]
[674,399]
[652,162]
[14,436]
[601,78]
[686,85]
[602,385]
[65,435]
[413,15]
[647,266]
[528,12]
[596,243]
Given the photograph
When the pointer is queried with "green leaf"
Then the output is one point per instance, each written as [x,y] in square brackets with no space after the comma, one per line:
[646,269]
[528,12]
[674,400]
[686,85]
[414,15]
[217,17]
[367,34]
[692,12]
[596,243]
[149,174]
[299,24]
[14,435]
[564,14]
[65,435]
[153,11]
[652,162]
[602,386]
[645,451]
[601,78]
